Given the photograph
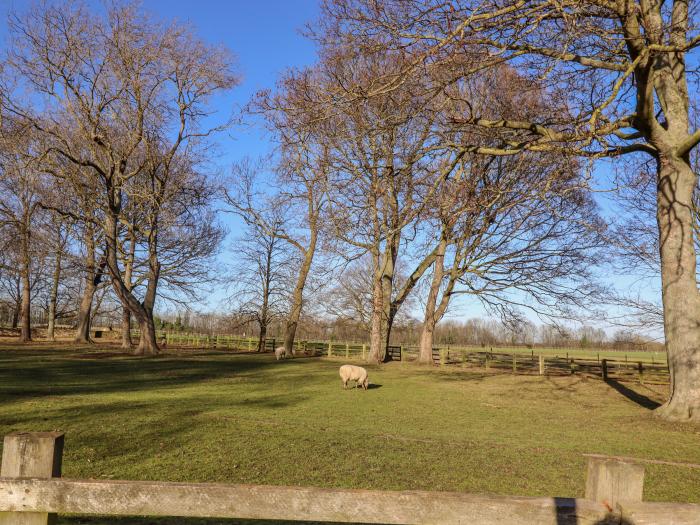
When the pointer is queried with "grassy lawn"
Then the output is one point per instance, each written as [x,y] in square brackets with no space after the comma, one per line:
[248,419]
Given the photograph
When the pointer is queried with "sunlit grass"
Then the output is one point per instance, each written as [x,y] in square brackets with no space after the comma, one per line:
[248,419]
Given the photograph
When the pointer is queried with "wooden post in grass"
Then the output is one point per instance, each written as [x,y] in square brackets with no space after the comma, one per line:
[443,357]
[31,455]
[515,364]
[541,364]
[605,369]
[347,350]
[640,369]
[330,349]
[611,481]
[364,351]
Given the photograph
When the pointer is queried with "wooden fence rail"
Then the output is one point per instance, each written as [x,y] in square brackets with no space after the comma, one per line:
[32,492]
[640,371]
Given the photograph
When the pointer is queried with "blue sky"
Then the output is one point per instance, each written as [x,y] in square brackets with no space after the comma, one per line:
[265,38]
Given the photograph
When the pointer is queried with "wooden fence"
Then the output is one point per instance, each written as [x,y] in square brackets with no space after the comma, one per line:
[534,364]
[518,363]
[32,492]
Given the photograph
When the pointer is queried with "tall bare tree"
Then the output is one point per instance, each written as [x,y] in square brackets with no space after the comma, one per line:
[620,69]
[116,86]
[263,268]
[20,188]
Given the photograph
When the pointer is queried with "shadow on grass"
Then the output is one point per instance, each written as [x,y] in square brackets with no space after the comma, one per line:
[52,373]
[633,396]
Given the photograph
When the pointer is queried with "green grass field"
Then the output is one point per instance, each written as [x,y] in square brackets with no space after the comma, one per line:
[248,419]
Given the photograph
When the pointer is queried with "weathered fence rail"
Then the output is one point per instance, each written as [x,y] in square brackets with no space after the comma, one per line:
[32,492]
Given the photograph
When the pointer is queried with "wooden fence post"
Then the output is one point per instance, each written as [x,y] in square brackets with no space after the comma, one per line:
[347,350]
[541,364]
[330,349]
[605,369]
[31,455]
[640,369]
[443,357]
[612,481]
[515,364]
[364,351]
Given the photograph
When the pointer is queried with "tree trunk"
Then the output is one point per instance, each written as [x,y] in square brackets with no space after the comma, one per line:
[18,303]
[92,280]
[681,299]
[128,273]
[148,344]
[375,341]
[149,299]
[126,328]
[298,295]
[53,297]
[261,338]
[26,325]
[82,333]
[430,320]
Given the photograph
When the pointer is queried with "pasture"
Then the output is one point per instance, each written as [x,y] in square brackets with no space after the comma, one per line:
[244,418]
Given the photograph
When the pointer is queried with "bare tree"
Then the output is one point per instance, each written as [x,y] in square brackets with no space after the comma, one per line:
[19,209]
[57,240]
[292,116]
[262,269]
[525,236]
[619,69]
[116,87]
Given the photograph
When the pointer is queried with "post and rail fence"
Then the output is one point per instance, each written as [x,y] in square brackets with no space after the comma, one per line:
[533,363]
[32,492]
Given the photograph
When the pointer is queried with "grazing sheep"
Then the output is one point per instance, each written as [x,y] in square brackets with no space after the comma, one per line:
[354,373]
[280,353]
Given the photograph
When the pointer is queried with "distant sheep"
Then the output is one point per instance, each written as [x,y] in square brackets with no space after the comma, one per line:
[354,373]
[280,353]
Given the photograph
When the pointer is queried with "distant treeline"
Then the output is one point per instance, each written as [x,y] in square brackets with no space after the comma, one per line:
[470,332]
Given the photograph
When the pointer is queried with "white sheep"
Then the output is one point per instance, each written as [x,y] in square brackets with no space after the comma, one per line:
[353,373]
[280,353]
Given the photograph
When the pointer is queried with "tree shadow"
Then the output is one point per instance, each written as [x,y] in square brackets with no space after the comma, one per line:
[52,373]
[633,396]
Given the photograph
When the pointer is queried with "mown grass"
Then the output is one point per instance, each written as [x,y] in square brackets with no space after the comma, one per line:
[248,419]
